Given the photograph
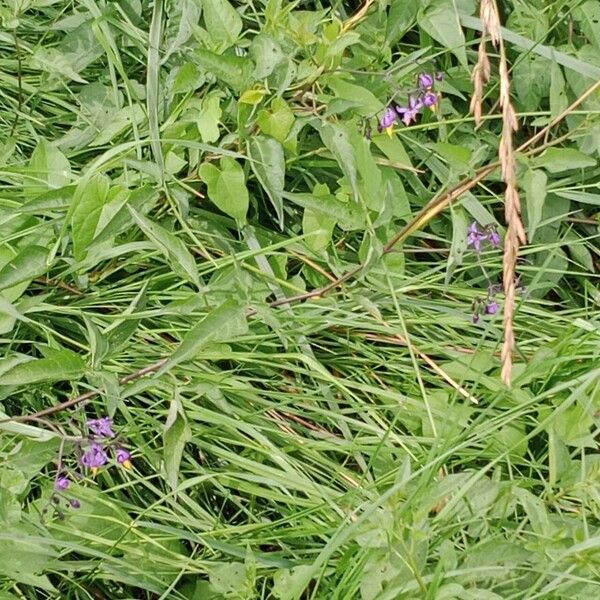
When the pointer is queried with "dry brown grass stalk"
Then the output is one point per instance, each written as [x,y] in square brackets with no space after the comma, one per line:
[515,234]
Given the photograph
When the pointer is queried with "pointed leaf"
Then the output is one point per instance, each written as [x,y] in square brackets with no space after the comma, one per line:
[170,245]
[534,185]
[61,366]
[29,263]
[88,201]
[223,323]
[268,164]
[440,20]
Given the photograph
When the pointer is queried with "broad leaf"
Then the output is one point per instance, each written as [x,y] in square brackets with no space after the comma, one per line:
[234,71]
[588,16]
[48,169]
[557,160]
[210,117]
[29,263]
[222,21]
[440,20]
[267,55]
[63,365]
[227,187]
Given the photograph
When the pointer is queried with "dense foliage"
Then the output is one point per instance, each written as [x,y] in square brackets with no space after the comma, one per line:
[170,173]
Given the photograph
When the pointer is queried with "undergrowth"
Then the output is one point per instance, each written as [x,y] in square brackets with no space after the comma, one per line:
[184,189]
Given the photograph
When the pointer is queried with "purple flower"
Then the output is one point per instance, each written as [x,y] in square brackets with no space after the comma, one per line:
[388,119]
[492,308]
[494,238]
[75,503]
[124,458]
[430,99]
[425,81]
[95,456]
[475,318]
[409,114]
[439,76]
[475,237]
[62,483]
[101,427]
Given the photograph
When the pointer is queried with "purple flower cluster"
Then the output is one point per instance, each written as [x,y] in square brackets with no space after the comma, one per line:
[94,452]
[423,97]
[476,236]
[96,455]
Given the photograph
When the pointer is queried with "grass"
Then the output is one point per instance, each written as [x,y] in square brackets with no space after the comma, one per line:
[354,445]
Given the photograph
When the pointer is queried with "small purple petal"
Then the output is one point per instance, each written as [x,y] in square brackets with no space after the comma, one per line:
[101,427]
[62,483]
[430,99]
[425,81]
[75,503]
[494,238]
[388,119]
[492,308]
[439,76]
[123,455]
[415,103]
[475,318]
[95,456]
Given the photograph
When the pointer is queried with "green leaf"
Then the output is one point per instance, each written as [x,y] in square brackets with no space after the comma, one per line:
[234,71]
[440,20]
[120,121]
[534,185]
[222,21]
[557,160]
[588,17]
[227,187]
[29,263]
[174,250]
[558,92]
[337,139]
[176,434]
[267,55]
[277,121]
[457,157]
[367,104]
[183,17]
[210,117]
[574,65]
[55,62]
[229,579]
[459,241]
[63,365]
[268,164]
[48,169]
[401,17]
[287,583]
[253,96]
[349,215]
[89,199]
[224,323]
[532,80]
